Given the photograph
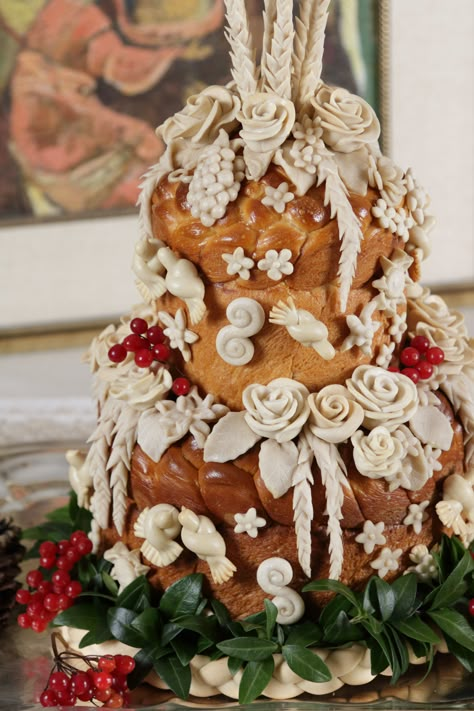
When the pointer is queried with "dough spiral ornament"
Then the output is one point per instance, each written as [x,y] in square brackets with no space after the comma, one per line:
[273,576]
[233,342]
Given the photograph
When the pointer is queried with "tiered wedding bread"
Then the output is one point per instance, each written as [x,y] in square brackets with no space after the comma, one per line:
[310,414]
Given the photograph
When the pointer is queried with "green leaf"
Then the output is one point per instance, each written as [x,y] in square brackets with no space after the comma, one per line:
[60,515]
[454,585]
[304,635]
[83,616]
[454,625]
[305,663]
[336,587]
[143,666]
[135,596]
[170,631]
[404,588]
[255,678]
[147,623]
[221,612]
[174,674]
[183,597]
[233,665]
[342,631]
[415,628]
[204,626]
[110,584]
[120,621]
[185,647]
[51,531]
[385,598]
[250,649]
[271,613]
[100,634]
[464,656]
[378,659]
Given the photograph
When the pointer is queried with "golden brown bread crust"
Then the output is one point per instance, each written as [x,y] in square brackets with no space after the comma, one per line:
[182,478]
[307,230]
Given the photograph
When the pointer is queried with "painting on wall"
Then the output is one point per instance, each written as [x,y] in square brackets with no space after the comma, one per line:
[84,83]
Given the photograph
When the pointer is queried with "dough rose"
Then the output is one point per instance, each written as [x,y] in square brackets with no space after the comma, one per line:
[348,121]
[378,454]
[141,387]
[277,410]
[387,398]
[266,121]
[335,416]
[203,116]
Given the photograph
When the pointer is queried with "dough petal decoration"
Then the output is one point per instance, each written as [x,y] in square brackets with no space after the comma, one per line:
[233,342]
[159,526]
[431,426]
[303,327]
[182,280]
[199,535]
[273,576]
[230,438]
[277,463]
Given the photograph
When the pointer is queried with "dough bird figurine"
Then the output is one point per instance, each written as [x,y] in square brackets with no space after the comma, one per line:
[199,535]
[159,526]
[182,280]
[303,327]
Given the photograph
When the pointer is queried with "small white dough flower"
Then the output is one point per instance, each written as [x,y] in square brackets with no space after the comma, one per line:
[309,130]
[425,566]
[387,561]
[276,264]
[385,354]
[362,330]
[249,522]
[398,221]
[372,536]
[238,263]
[416,516]
[277,197]
[177,332]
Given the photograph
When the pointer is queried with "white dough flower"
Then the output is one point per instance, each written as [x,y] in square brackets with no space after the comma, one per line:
[141,387]
[387,178]
[305,156]
[387,561]
[425,566]
[387,398]
[277,197]
[276,264]
[398,326]
[249,522]
[377,455]
[362,330]
[238,263]
[416,516]
[371,536]
[397,220]
[309,130]
[335,416]
[277,410]
[178,334]
[385,354]
[127,565]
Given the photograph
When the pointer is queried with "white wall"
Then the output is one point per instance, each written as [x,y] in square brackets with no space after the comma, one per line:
[433,126]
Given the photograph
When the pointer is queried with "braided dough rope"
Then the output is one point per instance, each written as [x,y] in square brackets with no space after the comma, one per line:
[209,678]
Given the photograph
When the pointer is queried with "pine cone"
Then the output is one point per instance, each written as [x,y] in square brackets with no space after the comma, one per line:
[11,554]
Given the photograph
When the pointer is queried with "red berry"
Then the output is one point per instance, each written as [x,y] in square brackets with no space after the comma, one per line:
[409,356]
[76,537]
[102,680]
[64,563]
[24,620]
[421,343]
[124,664]
[48,562]
[47,549]
[45,587]
[161,352]
[34,578]
[34,608]
[66,698]
[23,596]
[63,546]
[73,589]
[181,386]
[61,578]
[38,625]
[120,682]
[155,335]
[51,602]
[117,353]
[393,369]
[64,602]
[103,694]
[106,664]
[116,701]
[80,683]
[59,681]
[48,699]
[425,370]
[85,546]
[87,695]
[143,358]
[471,606]
[73,555]
[435,355]
[411,373]
[138,325]
[134,343]
[46,615]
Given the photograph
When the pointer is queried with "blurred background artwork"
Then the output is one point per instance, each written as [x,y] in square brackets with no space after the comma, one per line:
[84,83]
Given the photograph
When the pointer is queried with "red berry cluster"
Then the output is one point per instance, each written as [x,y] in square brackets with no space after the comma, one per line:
[148,345]
[45,598]
[417,360]
[105,681]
